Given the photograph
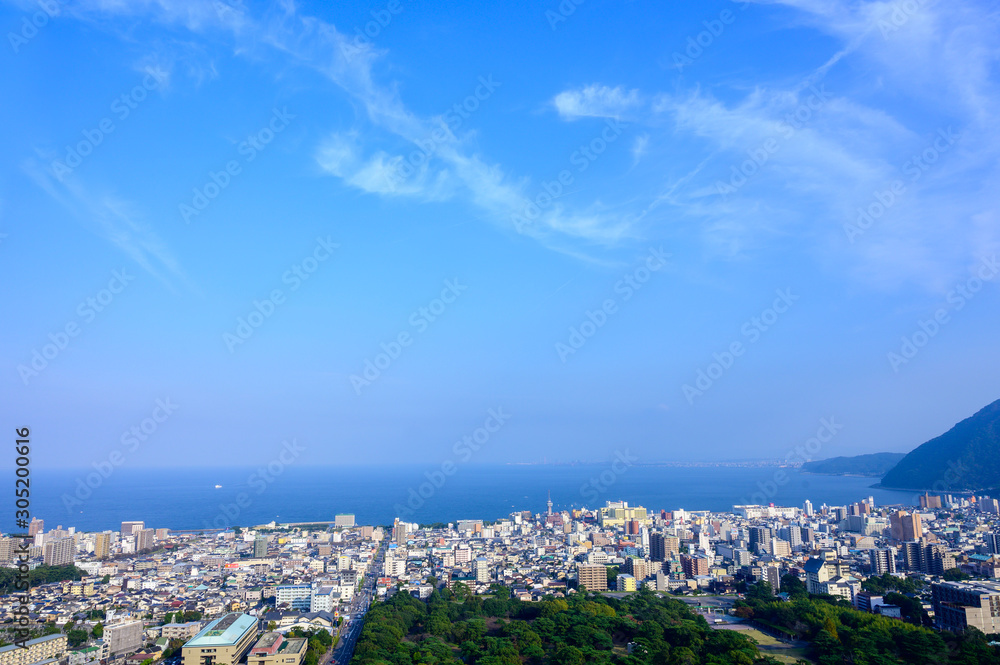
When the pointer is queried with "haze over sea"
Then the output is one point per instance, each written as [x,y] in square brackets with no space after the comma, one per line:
[187,498]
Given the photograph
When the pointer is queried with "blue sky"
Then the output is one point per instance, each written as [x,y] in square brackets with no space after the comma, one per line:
[594,208]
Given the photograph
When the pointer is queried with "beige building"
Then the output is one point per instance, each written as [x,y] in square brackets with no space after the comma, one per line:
[102,545]
[224,641]
[125,637]
[42,648]
[958,605]
[592,576]
[181,631]
[275,649]
[616,513]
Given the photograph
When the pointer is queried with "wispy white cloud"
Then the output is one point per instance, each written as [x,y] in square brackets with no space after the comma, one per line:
[114,219]
[596,101]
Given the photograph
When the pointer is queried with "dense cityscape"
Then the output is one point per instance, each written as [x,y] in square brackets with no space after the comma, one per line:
[264,595]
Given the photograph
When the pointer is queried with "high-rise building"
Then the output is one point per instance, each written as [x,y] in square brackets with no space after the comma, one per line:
[260,547]
[638,568]
[882,561]
[992,542]
[481,569]
[129,528]
[932,559]
[102,545]
[928,502]
[144,539]
[663,547]
[772,575]
[60,552]
[759,535]
[592,576]
[344,520]
[807,508]
[905,526]
[124,637]
[37,526]
[958,606]
[694,565]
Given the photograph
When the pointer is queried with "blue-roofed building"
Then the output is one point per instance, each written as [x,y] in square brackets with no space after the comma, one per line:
[222,642]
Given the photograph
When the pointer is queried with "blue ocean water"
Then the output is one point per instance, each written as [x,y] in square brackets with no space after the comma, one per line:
[188,499]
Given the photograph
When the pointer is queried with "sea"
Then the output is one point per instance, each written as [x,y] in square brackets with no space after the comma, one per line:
[207,498]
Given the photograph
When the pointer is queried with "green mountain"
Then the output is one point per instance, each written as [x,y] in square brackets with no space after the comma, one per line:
[966,457]
[874,464]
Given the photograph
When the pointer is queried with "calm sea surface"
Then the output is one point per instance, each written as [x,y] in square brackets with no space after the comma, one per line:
[189,499]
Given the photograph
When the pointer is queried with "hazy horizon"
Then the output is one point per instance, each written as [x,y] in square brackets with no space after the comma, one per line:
[394,232]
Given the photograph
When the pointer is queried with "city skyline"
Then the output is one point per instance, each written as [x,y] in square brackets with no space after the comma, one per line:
[378,229]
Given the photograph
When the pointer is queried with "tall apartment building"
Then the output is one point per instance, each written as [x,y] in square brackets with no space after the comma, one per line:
[759,535]
[7,548]
[992,542]
[662,547]
[637,568]
[343,520]
[144,539]
[932,559]
[125,637]
[772,575]
[36,527]
[928,502]
[958,605]
[60,552]
[481,569]
[260,547]
[129,528]
[592,576]
[882,561]
[694,565]
[102,545]
[905,526]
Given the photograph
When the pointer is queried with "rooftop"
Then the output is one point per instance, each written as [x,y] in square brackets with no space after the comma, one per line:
[225,631]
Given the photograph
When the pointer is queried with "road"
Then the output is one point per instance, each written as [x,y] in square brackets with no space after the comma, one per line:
[359,606]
